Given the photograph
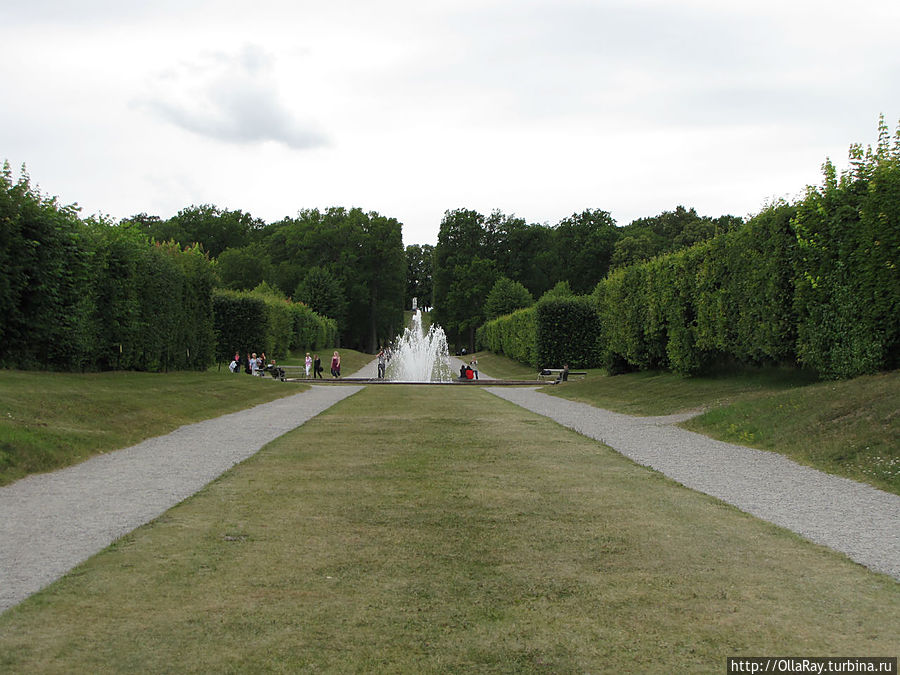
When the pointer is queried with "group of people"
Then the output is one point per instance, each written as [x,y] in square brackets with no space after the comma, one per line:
[252,364]
[256,365]
[469,371]
[314,363]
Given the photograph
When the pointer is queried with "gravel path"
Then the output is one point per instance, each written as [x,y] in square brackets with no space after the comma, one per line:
[51,522]
[856,519]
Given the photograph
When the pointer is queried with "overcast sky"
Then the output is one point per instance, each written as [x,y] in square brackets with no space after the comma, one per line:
[408,107]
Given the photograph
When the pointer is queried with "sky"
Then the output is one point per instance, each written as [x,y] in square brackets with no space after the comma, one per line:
[538,108]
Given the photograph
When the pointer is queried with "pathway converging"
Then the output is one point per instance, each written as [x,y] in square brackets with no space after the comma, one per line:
[856,519]
[49,523]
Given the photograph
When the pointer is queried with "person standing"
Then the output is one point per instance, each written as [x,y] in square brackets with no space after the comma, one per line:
[308,364]
[317,367]
[381,364]
[474,365]
[336,365]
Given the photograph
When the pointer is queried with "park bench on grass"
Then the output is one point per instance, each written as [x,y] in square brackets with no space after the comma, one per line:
[556,374]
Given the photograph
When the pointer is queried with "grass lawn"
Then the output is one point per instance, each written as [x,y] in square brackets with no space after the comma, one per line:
[351,360]
[414,529]
[52,420]
[504,368]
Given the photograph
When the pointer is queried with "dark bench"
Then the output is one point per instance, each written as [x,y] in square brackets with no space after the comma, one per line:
[556,374]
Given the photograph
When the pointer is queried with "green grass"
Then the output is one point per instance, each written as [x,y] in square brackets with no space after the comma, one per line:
[421,530]
[52,420]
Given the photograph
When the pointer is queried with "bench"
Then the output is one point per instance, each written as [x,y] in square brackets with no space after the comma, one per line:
[556,374]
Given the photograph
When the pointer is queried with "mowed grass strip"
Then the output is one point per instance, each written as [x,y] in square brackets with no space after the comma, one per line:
[413,529]
[52,420]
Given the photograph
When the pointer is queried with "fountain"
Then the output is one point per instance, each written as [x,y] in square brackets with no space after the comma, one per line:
[418,356]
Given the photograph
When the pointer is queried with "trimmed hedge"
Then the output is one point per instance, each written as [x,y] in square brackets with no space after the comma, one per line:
[253,321]
[91,295]
[567,332]
[816,284]
[549,334]
[514,335]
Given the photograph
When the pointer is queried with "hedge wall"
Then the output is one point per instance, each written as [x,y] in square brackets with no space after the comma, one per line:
[549,334]
[815,284]
[254,321]
[567,332]
[91,295]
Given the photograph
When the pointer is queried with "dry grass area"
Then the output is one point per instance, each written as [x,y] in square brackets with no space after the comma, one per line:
[414,529]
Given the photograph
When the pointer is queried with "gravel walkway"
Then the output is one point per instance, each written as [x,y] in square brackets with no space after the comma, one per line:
[856,519]
[52,522]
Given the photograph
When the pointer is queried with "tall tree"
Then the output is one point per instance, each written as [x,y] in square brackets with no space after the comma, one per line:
[419,270]
[584,244]
[242,269]
[213,228]
[505,297]
[460,243]
[322,292]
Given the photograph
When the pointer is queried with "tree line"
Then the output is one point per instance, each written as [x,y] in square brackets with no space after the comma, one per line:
[348,265]
[485,266]
[91,294]
[814,283]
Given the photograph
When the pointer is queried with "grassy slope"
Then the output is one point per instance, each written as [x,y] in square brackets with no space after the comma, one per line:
[52,420]
[849,428]
[388,537]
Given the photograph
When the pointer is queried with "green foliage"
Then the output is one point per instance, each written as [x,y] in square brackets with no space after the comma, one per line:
[817,282]
[549,334]
[645,238]
[848,266]
[363,251]
[562,289]
[584,245]
[241,269]
[505,297]
[89,295]
[568,332]
[241,323]
[213,228]
[514,335]
[263,320]
[322,292]
[419,273]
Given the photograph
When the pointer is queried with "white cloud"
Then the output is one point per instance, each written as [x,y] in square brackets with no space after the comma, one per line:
[233,98]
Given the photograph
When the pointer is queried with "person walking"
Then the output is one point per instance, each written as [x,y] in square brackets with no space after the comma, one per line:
[317,367]
[308,364]
[381,364]
[336,365]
